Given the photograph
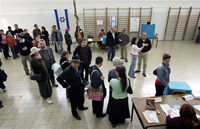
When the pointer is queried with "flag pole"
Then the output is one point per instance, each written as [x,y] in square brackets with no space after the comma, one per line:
[75,12]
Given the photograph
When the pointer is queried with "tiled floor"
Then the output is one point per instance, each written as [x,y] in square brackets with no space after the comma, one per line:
[25,109]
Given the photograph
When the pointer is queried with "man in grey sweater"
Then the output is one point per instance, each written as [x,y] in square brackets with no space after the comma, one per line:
[48,57]
[124,39]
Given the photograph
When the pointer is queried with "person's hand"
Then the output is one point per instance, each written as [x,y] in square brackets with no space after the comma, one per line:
[102,78]
[18,54]
[120,40]
[169,112]
[167,83]
[24,49]
[68,87]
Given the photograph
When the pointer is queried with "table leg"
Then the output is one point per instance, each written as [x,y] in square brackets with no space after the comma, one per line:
[140,118]
[132,111]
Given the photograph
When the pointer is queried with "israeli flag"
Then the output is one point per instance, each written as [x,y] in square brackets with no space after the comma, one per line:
[113,20]
[62,19]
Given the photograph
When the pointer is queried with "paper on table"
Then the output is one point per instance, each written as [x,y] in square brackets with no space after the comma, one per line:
[188,97]
[175,113]
[197,107]
[157,100]
[151,116]
[89,39]
[165,108]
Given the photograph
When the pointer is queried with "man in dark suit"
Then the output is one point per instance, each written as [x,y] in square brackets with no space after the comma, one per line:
[72,80]
[143,55]
[111,42]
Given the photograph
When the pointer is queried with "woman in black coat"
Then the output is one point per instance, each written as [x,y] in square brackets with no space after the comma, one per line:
[68,40]
[38,67]
[45,35]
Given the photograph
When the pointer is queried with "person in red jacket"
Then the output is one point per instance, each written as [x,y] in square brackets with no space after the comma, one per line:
[12,44]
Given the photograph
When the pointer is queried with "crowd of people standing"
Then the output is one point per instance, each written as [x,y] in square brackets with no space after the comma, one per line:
[75,73]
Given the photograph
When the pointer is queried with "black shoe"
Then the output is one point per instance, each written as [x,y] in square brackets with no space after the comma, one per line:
[122,58]
[1,106]
[137,71]
[27,74]
[108,58]
[77,117]
[55,85]
[144,74]
[102,115]
[126,60]
[9,56]
[113,125]
[83,108]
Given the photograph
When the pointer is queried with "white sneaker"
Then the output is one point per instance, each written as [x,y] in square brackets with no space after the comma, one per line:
[49,101]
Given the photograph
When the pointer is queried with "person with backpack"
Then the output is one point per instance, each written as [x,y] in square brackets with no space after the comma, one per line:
[97,81]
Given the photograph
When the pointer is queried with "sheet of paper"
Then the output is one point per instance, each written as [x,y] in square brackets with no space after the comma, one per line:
[197,116]
[196,94]
[157,100]
[175,113]
[165,108]
[89,40]
[197,107]
[151,116]
[188,97]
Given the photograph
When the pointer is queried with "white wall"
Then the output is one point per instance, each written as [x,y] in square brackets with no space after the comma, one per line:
[28,12]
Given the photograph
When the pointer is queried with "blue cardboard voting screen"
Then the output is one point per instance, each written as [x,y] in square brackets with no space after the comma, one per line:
[178,86]
[149,29]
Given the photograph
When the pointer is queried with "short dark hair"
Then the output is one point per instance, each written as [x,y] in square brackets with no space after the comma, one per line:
[124,29]
[15,25]
[1,30]
[199,28]
[43,28]
[75,57]
[166,56]
[63,54]
[35,25]
[102,30]
[9,27]
[133,40]
[148,22]
[99,60]
[53,26]
[83,40]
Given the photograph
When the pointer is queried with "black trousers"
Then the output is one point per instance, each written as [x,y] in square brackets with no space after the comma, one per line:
[98,107]
[84,67]
[2,86]
[77,101]
[69,48]
[159,90]
[5,50]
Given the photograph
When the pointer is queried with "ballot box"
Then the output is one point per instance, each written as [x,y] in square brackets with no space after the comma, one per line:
[149,29]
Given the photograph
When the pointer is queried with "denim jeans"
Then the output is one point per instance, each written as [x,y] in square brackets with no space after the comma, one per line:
[131,72]
[14,51]
[59,46]
[111,50]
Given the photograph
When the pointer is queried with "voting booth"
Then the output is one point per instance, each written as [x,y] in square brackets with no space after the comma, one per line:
[149,29]
[177,87]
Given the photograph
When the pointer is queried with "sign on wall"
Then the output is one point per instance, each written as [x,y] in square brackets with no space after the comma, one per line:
[99,22]
[62,19]
[134,24]
[113,20]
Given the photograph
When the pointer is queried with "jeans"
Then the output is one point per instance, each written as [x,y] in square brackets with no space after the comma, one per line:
[131,72]
[51,74]
[111,50]
[47,42]
[14,51]
[59,46]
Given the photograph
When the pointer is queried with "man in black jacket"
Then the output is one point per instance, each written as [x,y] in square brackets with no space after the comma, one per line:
[72,80]
[85,54]
[143,55]
[111,42]
[24,47]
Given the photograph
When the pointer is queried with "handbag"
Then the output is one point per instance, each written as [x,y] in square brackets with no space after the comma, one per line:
[36,77]
[95,94]
[3,75]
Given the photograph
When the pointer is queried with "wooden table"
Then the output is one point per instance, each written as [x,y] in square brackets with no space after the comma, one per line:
[95,40]
[139,106]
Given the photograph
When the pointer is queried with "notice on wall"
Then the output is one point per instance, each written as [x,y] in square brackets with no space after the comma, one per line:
[99,22]
[134,24]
